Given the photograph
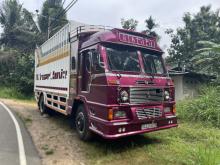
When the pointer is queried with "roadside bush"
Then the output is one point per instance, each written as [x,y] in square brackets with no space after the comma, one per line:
[11,93]
[17,71]
[205,108]
[24,76]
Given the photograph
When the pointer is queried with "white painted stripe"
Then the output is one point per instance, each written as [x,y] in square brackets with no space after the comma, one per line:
[21,149]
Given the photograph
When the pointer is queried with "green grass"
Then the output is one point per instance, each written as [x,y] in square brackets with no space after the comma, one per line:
[13,93]
[205,108]
[48,151]
[189,144]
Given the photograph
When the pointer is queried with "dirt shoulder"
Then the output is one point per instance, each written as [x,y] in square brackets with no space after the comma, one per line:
[55,141]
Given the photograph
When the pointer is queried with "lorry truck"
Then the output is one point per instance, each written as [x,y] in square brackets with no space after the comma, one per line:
[110,81]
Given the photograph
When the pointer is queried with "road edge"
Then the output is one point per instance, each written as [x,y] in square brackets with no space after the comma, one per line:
[22,156]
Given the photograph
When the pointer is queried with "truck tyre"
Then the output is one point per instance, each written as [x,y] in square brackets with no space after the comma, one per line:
[42,107]
[82,124]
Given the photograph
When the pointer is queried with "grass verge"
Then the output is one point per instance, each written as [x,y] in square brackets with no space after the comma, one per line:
[205,108]
[189,144]
[13,93]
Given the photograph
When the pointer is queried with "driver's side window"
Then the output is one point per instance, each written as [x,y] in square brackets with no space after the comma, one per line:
[96,62]
[88,61]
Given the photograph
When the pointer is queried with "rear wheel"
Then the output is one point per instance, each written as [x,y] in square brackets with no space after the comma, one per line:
[82,124]
[42,107]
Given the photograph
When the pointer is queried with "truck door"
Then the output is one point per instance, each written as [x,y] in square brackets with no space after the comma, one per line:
[86,71]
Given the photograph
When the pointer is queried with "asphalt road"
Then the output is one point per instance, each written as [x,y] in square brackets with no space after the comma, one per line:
[16,146]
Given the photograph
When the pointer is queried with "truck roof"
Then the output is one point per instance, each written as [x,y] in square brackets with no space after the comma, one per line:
[125,37]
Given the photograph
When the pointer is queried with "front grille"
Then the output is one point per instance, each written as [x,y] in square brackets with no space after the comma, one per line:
[145,95]
[148,113]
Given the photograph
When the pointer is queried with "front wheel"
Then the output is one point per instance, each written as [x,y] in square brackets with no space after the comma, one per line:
[82,124]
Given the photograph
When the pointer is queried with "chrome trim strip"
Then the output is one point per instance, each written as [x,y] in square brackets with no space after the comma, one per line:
[169,117]
[96,103]
[120,123]
[97,118]
[126,75]
[95,130]
[137,76]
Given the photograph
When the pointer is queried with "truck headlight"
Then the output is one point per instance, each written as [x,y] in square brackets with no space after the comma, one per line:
[124,96]
[120,114]
[166,95]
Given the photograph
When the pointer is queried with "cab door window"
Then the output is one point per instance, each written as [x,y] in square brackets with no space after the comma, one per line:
[97,62]
[86,70]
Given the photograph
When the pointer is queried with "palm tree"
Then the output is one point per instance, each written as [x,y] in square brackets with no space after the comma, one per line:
[52,16]
[19,29]
[150,27]
[207,58]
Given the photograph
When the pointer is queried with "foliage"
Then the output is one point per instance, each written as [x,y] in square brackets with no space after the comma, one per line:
[19,38]
[13,93]
[52,15]
[8,60]
[203,26]
[150,26]
[129,24]
[17,69]
[24,76]
[208,57]
[19,29]
[205,108]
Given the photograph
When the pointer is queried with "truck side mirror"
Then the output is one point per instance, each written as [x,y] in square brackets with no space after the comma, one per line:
[73,63]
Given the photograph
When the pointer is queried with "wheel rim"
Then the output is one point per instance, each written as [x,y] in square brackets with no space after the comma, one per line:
[80,123]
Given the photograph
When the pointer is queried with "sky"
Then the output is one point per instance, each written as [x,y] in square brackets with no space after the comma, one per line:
[167,13]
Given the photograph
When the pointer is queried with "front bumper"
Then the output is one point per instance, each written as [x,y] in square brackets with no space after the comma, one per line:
[110,130]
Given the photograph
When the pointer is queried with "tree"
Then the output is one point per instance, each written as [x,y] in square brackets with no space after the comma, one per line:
[129,24]
[150,27]
[52,16]
[203,26]
[19,29]
[208,57]
[18,40]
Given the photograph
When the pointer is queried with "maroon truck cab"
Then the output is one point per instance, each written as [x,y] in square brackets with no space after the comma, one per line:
[123,85]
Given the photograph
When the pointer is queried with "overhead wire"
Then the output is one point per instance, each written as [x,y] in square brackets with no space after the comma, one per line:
[73,2]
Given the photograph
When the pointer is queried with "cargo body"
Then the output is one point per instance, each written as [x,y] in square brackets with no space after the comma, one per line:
[112,82]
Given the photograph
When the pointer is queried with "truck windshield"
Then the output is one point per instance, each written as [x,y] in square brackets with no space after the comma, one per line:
[122,59]
[153,64]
